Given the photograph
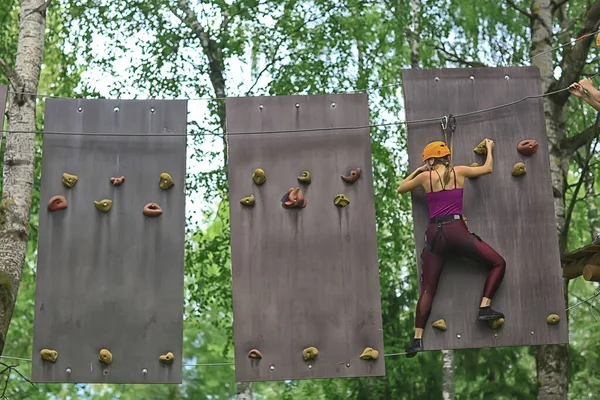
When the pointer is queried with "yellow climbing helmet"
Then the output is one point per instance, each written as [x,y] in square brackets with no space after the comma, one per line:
[435,150]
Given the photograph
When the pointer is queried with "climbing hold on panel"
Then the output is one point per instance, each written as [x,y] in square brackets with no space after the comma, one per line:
[294,198]
[57,203]
[166,181]
[117,181]
[69,180]
[527,147]
[552,319]
[310,352]
[167,359]
[369,354]
[341,200]
[440,324]
[105,357]
[255,354]
[475,165]
[103,205]
[248,201]
[481,149]
[352,176]
[496,323]
[519,169]
[304,177]
[152,210]
[49,355]
[258,176]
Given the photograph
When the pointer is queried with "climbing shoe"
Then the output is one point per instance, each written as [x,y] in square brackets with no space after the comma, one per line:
[487,314]
[417,346]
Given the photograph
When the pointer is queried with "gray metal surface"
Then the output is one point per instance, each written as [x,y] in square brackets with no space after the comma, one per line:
[513,215]
[111,280]
[3,93]
[304,277]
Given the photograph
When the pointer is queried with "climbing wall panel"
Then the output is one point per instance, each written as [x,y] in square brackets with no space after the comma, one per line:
[111,280]
[515,215]
[3,93]
[308,276]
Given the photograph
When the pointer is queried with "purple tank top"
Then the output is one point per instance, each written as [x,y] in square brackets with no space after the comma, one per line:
[444,202]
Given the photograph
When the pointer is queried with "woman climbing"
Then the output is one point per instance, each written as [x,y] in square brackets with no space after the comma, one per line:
[447,234]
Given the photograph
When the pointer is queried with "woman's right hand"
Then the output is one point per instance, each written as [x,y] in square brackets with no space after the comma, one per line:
[489,144]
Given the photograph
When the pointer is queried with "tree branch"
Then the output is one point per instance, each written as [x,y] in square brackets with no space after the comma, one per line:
[572,144]
[10,368]
[456,58]
[559,4]
[519,9]
[10,73]
[574,58]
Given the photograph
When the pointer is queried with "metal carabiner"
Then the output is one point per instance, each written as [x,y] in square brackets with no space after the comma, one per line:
[444,123]
[453,122]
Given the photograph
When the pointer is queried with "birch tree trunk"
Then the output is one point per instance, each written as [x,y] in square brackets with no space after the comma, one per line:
[448,374]
[551,360]
[19,156]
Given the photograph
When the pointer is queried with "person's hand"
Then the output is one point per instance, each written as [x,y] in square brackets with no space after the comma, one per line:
[422,168]
[586,84]
[489,144]
[576,90]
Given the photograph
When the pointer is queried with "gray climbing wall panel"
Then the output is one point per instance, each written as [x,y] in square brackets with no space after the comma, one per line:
[514,215]
[303,277]
[111,280]
[3,93]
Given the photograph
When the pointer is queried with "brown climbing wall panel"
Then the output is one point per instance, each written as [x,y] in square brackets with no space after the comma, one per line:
[303,277]
[515,215]
[111,280]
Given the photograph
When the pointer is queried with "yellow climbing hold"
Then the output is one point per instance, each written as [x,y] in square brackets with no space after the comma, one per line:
[310,352]
[304,177]
[105,357]
[440,324]
[519,169]
[248,201]
[69,180]
[475,165]
[497,323]
[481,149]
[258,176]
[103,205]
[341,200]
[49,355]
[167,358]
[165,182]
[369,354]
[553,319]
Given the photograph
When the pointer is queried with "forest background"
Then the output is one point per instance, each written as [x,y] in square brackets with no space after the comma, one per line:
[207,49]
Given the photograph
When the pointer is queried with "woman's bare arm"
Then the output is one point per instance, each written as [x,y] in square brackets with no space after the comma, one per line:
[413,181]
[474,172]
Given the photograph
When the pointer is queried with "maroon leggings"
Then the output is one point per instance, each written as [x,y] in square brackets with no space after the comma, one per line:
[454,239]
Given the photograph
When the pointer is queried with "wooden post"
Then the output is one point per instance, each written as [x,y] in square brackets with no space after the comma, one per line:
[591,273]
[572,271]
[575,269]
